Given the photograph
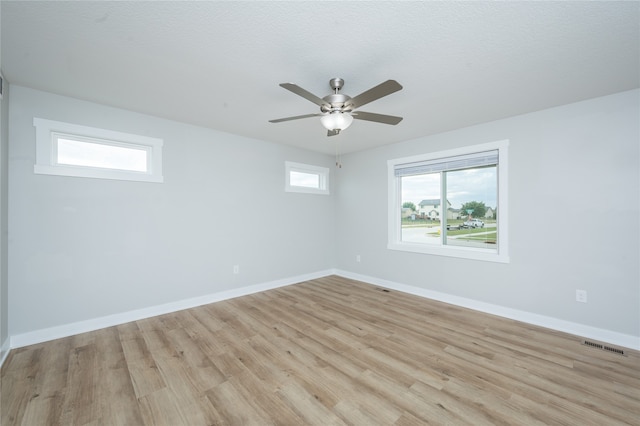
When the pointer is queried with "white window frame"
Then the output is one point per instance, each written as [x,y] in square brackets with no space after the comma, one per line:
[500,254]
[49,131]
[321,172]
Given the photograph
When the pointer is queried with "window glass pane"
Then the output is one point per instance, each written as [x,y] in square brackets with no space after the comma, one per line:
[88,154]
[468,211]
[421,208]
[306,180]
[471,221]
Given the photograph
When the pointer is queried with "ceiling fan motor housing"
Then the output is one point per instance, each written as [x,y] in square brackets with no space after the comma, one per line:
[336,102]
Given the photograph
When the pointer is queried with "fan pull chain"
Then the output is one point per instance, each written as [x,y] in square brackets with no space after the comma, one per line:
[338,160]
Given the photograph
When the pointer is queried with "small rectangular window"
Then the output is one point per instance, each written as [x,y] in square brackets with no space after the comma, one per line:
[71,150]
[306,178]
[76,151]
[447,203]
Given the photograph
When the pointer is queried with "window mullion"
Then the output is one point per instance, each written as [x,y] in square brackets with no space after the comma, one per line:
[397,212]
[443,208]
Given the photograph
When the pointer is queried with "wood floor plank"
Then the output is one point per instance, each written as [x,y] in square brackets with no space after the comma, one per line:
[112,382]
[187,391]
[161,408]
[265,400]
[49,382]
[226,398]
[306,406]
[80,404]
[321,352]
[142,366]
[16,395]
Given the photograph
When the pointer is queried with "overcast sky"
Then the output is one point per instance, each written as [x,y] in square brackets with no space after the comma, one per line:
[88,154]
[462,187]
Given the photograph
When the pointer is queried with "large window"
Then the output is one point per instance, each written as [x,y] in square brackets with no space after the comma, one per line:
[451,203]
[71,150]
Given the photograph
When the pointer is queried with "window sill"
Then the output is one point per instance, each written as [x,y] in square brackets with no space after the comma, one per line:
[95,173]
[450,251]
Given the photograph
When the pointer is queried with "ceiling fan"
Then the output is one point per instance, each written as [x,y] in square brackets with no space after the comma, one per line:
[337,110]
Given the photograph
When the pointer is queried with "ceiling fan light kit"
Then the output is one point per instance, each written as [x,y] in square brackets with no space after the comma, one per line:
[337,110]
[336,120]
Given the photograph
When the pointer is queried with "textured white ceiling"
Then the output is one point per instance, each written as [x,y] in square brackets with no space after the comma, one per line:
[218,64]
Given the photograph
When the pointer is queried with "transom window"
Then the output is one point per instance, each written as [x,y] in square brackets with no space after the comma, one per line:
[71,150]
[74,150]
[451,203]
[306,178]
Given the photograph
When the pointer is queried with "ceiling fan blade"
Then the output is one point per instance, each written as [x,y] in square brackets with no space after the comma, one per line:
[382,89]
[378,118]
[305,94]
[297,117]
[333,132]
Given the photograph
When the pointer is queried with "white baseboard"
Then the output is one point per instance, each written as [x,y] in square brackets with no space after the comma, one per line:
[52,333]
[607,336]
[4,350]
[43,335]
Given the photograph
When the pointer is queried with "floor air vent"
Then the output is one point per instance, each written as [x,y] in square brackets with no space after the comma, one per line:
[603,347]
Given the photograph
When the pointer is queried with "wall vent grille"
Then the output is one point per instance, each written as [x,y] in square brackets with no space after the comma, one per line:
[603,347]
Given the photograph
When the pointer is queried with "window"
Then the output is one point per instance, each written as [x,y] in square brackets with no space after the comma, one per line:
[305,178]
[451,203]
[71,150]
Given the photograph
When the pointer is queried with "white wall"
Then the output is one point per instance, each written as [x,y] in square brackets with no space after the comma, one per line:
[88,248]
[574,216]
[81,249]
[4,167]
[4,223]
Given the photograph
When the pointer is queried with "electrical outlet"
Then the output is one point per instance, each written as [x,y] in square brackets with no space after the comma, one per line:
[358,258]
[581,296]
[236,269]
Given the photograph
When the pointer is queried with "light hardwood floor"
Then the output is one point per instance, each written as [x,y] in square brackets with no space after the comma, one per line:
[330,351]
